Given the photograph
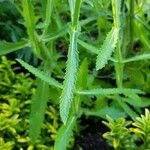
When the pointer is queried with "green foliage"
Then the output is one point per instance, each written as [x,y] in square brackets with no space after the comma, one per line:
[64,133]
[16,93]
[70,78]
[72,65]
[107,49]
[39,103]
[118,89]
[142,129]
[7,47]
[40,74]
[121,133]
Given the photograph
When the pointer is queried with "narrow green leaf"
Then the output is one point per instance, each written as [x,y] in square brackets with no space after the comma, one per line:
[80,84]
[48,14]
[127,109]
[145,24]
[64,134]
[30,21]
[113,112]
[70,78]
[82,75]
[141,102]
[108,91]
[38,107]
[72,5]
[137,58]
[107,48]
[76,14]
[89,47]
[40,74]
[57,34]
[7,47]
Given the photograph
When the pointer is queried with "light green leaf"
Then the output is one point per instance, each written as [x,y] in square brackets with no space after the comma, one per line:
[7,47]
[30,21]
[70,78]
[89,47]
[64,134]
[57,34]
[140,102]
[72,6]
[82,75]
[107,48]
[38,107]
[108,91]
[137,58]
[40,74]
[113,112]
[127,109]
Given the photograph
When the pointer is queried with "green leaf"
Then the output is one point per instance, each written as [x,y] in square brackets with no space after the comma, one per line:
[70,78]
[137,58]
[108,91]
[82,75]
[72,6]
[38,107]
[40,74]
[126,108]
[57,34]
[107,48]
[8,47]
[140,102]
[113,112]
[64,134]
[30,21]
[89,47]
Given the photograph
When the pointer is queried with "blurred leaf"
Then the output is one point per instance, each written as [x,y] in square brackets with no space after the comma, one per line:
[8,47]
[64,133]
[107,48]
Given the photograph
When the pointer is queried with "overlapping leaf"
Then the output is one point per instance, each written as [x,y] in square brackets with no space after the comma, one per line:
[70,78]
[8,47]
[40,74]
[107,49]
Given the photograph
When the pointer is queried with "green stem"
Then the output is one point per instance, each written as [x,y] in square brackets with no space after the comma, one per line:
[115,13]
[131,24]
[116,6]
[76,14]
[48,16]
[28,14]
[119,66]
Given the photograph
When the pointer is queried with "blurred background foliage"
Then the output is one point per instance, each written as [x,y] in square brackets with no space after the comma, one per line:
[15,99]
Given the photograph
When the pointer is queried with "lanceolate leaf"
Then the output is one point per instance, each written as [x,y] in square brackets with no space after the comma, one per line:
[82,75]
[30,21]
[70,78]
[40,74]
[89,47]
[137,58]
[109,91]
[38,106]
[112,111]
[64,134]
[127,109]
[107,49]
[7,47]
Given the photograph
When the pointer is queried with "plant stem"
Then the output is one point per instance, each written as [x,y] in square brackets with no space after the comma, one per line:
[48,16]
[28,14]
[76,14]
[116,6]
[131,24]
